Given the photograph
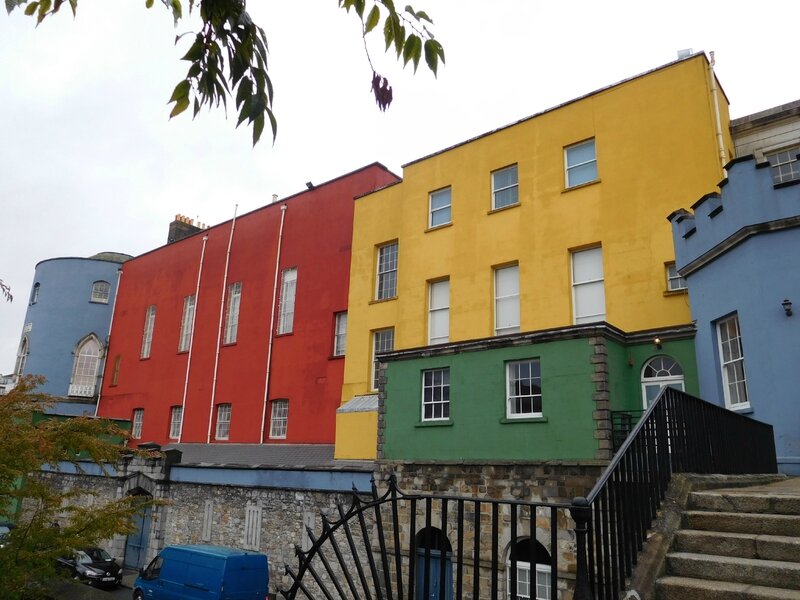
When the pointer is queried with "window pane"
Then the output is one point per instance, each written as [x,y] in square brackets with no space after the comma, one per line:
[587,265]
[436,394]
[286,315]
[232,315]
[507,281]
[580,154]
[440,199]
[505,177]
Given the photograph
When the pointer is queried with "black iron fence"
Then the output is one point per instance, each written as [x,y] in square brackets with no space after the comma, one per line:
[429,546]
[678,433]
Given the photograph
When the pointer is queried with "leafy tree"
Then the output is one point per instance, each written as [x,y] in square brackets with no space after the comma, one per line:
[228,55]
[29,440]
[5,291]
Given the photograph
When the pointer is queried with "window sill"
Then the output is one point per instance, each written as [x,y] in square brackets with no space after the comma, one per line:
[438,227]
[506,420]
[580,186]
[280,335]
[336,357]
[742,410]
[98,302]
[144,358]
[682,292]
[784,184]
[443,423]
[182,352]
[227,345]
[502,208]
[382,300]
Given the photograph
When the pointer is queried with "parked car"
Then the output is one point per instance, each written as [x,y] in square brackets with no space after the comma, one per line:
[94,566]
[202,571]
[5,530]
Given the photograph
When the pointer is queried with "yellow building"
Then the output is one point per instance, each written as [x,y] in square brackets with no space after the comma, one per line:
[555,220]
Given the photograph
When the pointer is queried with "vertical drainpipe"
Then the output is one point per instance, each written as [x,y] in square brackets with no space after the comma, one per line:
[108,343]
[219,329]
[191,338]
[272,323]
[723,160]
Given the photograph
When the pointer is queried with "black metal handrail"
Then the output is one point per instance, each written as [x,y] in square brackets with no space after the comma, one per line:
[678,433]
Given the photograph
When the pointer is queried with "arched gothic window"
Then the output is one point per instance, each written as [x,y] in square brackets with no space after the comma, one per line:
[659,372]
[84,367]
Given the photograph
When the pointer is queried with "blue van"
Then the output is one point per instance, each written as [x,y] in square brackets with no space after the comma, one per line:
[201,571]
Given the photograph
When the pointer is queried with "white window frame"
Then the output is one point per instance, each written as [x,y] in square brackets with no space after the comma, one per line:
[779,160]
[232,313]
[496,190]
[252,527]
[386,271]
[571,168]
[670,379]
[340,333]
[137,423]
[433,400]
[22,356]
[675,283]
[85,366]
[384,347]
[503,298]
[223,428]
[101,292]
[727,366]
[579,287]
[187,323]
[288,297]
[512,397]
[444,211]
[208,520]
[35,293]
[175,422]
[533,583]
[439,311]
[279,419]
[147,334]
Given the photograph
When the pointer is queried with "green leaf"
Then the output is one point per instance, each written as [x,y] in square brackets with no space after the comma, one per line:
[44,6]
[196,107]
[423,16]
[31,8]
[181,91]
[373,19]
[177,10]
[149,3]
[194,71]
[388,32]
[244,112]
[412,50]
[180,106]
[258,127]
[433,52]
[245,90]
[274,124]
[195,53]
[74,6]
[359,6]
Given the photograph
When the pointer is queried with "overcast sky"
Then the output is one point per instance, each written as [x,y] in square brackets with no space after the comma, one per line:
[89,161]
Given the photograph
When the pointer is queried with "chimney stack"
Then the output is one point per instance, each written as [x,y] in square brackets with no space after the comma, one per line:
[182,227]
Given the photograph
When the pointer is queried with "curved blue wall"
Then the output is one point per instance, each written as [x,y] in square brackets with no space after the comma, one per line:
[63,315]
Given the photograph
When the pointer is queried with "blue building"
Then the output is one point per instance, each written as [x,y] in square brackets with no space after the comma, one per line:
[67,326]
[739,252]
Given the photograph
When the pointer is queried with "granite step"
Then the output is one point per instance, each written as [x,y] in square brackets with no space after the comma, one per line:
[747,502]
[742,545]
[687,588]
[734,522]
[767,573]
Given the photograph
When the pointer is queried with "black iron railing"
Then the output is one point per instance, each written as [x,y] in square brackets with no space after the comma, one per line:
[622,423]
[678,433]
[400,545]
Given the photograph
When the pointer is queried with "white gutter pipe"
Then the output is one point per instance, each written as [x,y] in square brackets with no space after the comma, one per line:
[191,338]
[272,323]
[108,343]
[219,330]
[723,159]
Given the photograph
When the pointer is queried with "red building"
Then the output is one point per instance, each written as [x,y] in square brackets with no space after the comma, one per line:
[236,332]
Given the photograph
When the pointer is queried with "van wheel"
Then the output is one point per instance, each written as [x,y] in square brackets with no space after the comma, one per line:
[137,595]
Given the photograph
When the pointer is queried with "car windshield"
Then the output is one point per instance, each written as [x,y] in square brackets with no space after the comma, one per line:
[91,555]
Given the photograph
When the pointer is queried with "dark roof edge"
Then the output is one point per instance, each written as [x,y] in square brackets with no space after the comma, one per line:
[113,262]
[694,56]
[600,329]
[277,203]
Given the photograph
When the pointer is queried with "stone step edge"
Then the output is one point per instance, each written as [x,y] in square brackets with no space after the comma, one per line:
[754,562]
[743,590]
[758,537]
[744,515]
